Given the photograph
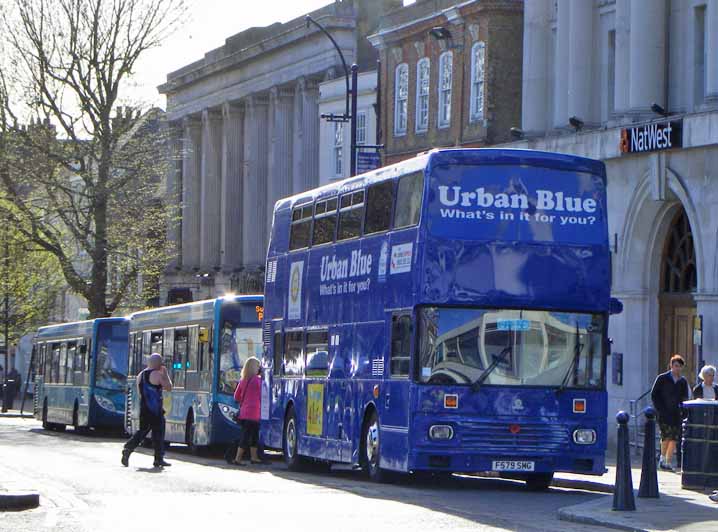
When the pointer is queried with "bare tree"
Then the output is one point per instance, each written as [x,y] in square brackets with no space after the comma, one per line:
[82,182]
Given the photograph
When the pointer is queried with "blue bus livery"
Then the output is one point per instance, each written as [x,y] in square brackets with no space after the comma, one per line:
[81,373]
[447,313]
[200,409]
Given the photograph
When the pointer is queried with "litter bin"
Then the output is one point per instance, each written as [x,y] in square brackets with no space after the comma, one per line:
[700,445]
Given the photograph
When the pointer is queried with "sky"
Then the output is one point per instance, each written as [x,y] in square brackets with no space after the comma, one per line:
[208,24]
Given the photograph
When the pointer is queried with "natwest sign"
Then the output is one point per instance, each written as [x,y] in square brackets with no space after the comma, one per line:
[652,137]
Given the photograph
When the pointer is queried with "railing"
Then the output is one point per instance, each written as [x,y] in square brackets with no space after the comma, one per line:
[635,408]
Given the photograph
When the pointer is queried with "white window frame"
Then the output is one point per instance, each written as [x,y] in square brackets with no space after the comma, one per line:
[338,150]
[361,127]
[445,94]
[422,98]
[478,81]
[401,105]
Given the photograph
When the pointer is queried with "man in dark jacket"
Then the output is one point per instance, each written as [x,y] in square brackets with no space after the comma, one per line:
[669,390]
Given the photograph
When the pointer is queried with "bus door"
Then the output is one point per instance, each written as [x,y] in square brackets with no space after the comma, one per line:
[316,372]
[338,443]
[276,399]
[394,397]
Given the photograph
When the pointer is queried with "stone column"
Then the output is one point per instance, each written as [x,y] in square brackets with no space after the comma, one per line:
[707,305]
[211,189]
[623,58]
[580,65]
[648,55]
[279,184]
[231,197]
[306,136]
[537,33]
[560,107]
[711,46]
[174,194]
[191,192]
[254,184]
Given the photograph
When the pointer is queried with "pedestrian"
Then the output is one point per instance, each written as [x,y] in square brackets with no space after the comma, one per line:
[151,382]
[707,389]
[669,390]
[249,397]
[13,384]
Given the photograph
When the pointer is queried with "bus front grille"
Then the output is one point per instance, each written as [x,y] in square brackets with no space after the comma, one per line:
[495,436]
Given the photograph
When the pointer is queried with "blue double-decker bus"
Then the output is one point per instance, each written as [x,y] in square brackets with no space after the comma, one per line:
[447,314]
[204,346]
[81,371]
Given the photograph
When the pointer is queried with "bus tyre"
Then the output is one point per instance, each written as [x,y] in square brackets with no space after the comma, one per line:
[290,442]
[194,449]
[538,481]
[371,459]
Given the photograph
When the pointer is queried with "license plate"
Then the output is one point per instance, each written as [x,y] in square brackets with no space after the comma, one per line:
[512,465]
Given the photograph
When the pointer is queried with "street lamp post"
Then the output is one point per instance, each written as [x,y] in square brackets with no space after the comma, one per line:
[350,111]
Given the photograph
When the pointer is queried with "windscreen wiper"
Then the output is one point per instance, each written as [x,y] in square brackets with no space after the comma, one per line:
[498,359]
[577,347]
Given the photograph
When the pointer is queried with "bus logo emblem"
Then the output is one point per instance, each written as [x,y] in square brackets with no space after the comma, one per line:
[295,291]
[518,404]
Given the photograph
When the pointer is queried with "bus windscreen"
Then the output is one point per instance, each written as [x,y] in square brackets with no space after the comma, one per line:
[111,365]
[519,203]
[240,338]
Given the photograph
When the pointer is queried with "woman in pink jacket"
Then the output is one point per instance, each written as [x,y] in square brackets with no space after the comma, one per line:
[249,396]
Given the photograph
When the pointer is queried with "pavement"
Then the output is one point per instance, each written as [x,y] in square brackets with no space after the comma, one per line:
[13,497]
[676,509]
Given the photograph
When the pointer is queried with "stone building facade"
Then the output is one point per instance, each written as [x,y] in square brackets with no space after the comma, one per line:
[628,72]
[450,74]
[246,133]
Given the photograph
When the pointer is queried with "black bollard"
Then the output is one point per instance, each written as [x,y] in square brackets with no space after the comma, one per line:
[623,490]
[649,474]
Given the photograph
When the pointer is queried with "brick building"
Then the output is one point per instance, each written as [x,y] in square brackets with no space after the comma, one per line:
[450,74]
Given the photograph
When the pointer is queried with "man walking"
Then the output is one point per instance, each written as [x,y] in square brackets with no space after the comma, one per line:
[151,382]
[13,386]
[669,390]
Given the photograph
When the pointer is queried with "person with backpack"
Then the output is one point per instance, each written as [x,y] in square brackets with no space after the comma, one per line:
[249,397]
[151,382]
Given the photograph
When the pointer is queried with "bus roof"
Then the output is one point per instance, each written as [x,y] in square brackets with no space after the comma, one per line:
[446,156]
[73,329]
[197,310]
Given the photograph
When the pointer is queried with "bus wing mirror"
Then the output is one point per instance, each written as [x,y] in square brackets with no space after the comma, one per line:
[615,306]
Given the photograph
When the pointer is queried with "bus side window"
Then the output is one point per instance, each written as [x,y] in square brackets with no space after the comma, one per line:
[293,356]
[325,222]
[168,353]
[278,354]
[379,200]
[71,362]
[317,354]
[401,331]
[146,349]
[155,344]
[408,200]
[351,214]
[55,370]
[193,351]
[62,376]
[301,227]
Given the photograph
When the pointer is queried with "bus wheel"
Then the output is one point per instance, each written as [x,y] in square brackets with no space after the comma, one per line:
[289,442]
[370,451]
[538,481]
[194,449]
[76,423]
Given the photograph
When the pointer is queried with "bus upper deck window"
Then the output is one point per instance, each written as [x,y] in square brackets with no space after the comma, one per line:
[301,227]
[408,200]
[380,198]
[325,221]
[351,214]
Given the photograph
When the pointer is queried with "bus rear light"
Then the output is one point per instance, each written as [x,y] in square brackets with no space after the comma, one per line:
[584,436]
[376,391]
[579,406]
[514,429]
[441,432]
[451,400]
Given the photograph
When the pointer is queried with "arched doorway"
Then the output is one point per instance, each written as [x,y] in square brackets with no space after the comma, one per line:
[677,305]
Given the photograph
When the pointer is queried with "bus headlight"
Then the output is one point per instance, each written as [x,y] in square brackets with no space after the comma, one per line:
[105,403]
[584,436]
[228,412]
[441,432]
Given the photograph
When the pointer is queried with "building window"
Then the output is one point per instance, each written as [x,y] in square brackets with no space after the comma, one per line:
[679,257]
[478,54]
[361,127]
[338,149]
[422,94]
[401,98]
[445,80]
[699,46]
